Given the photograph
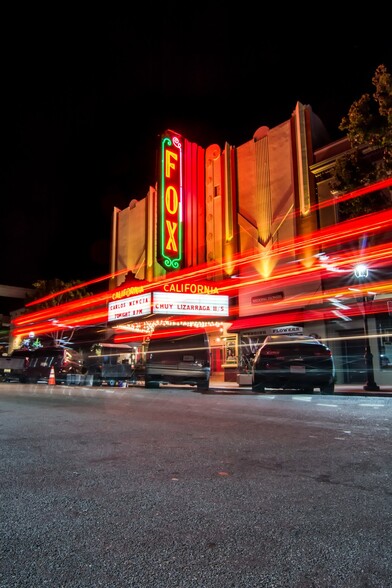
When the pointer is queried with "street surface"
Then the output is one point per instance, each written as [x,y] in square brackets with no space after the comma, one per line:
[170,488]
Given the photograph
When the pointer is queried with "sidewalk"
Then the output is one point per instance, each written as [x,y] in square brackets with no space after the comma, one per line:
[217,383]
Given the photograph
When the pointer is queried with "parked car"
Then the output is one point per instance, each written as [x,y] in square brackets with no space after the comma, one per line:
[294,362]
[65,361]
[112,364]
[178,355]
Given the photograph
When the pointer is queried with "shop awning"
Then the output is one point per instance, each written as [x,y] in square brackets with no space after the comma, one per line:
[264,321]
[246,323]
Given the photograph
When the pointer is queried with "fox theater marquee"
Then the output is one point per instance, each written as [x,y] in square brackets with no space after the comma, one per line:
[172,300]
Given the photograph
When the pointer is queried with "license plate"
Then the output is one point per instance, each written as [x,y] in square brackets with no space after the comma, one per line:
[297,369]
[7,370]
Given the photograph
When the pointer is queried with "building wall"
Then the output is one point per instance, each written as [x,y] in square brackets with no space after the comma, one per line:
[213,199]
[128,241]
[269,221]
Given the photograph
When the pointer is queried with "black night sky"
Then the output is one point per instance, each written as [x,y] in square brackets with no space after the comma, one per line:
[85,98]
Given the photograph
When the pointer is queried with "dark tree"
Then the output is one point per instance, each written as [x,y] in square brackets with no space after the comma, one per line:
[369,129]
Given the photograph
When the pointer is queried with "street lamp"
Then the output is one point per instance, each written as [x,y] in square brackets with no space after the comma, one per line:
[361,272]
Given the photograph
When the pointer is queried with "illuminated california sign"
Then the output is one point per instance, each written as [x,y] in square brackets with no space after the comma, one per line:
[170,206]
[126,292]
[191,288]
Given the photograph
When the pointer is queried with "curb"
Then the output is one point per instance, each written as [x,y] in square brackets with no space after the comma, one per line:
[341,390]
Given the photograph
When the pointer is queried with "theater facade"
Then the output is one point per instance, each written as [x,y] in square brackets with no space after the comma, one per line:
[241,240]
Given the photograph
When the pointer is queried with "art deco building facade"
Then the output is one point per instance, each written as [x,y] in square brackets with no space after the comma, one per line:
[256,220]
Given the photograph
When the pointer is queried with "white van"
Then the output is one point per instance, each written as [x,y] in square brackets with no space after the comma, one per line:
[178,355]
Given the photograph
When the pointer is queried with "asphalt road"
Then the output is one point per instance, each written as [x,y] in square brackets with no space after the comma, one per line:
[170,488]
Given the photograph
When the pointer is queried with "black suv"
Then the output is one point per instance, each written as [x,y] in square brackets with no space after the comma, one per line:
[294,362]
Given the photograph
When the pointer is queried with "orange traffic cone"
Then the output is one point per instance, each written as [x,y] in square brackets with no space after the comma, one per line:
[52,377]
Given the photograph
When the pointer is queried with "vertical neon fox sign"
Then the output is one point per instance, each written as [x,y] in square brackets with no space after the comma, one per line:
[170,208]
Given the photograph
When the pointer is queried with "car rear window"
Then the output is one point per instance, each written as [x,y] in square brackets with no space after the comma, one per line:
[295,349]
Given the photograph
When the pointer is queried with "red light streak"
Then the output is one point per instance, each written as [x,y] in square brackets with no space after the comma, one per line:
[290,273]
[77,287]
[355,194]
